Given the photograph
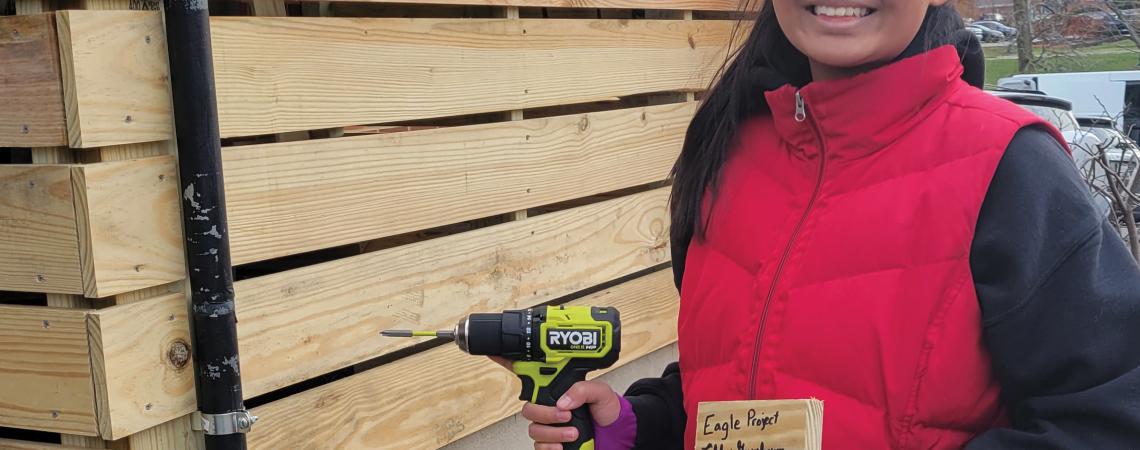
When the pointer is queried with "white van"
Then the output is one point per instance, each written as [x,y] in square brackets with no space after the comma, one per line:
[1093,94]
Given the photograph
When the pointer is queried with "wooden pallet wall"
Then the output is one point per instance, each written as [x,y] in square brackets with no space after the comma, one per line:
[387,165]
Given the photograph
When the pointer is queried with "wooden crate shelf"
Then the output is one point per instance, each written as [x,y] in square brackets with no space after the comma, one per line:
[305,322]
[538,147]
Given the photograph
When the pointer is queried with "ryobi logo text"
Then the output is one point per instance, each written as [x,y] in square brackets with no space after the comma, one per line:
[566,339]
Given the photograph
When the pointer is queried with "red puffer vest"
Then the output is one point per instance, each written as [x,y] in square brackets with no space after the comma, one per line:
[836,263]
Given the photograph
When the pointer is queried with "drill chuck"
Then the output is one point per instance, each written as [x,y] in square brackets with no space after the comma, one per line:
[508,334]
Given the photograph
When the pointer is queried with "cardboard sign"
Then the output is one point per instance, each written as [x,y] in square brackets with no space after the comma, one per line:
[760,425]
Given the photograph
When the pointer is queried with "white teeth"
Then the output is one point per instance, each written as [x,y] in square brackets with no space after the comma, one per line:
[832,11]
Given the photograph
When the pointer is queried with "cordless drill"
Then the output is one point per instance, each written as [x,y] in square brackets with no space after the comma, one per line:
[551,348]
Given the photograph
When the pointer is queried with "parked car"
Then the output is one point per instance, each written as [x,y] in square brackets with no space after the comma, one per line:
[1060,113]
[1093,94]
[997,26]
[978,33]
[988,35]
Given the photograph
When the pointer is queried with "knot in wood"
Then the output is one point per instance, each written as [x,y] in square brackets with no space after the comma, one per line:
[178,354]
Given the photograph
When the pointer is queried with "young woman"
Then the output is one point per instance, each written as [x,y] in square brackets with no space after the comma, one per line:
[854,222]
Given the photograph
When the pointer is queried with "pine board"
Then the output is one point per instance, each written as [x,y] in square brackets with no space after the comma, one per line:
[96,229]
[430,399]
[136,384]
[283,74]
[134,231]
[45,372]
[38,232]
[32,115]
[122,230]
[9,444]
[288,198]
[116,80]
[302,323]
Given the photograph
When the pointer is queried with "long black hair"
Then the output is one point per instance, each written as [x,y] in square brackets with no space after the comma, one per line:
[765,61]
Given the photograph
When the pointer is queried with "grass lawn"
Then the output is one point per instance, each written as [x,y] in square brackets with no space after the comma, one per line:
[1120,55]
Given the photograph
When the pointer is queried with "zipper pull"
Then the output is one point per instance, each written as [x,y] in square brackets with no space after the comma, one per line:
[801,110]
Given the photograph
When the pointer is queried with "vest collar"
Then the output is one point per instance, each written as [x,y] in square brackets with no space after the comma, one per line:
[857,116]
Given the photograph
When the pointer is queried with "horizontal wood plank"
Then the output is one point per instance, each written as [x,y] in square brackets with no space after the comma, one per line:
[431,285]
[116,79]
[30,88]
[283,74]
[45,371]
[9,444]
[430,399]
[141,362]
[39,238]
[97,229]
[134,231]
[700,5]
[302,323]
[293,197]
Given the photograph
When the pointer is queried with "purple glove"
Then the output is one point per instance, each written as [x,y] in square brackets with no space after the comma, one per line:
[619,435]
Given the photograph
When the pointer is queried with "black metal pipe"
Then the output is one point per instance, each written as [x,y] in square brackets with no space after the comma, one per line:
[218,375]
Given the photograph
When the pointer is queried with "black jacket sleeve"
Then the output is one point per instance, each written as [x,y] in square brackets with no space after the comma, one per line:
[660,413]
[1060,299]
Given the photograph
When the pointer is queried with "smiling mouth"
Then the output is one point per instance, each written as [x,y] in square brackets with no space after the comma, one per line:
[840,11]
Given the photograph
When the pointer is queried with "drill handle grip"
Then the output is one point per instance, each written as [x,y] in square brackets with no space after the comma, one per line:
[580,418]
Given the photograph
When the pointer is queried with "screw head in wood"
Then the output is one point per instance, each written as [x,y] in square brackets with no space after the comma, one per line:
[147,39]
[55,414]
[47,324]
[24,129]
[40,278]
[149,406]
[128,119]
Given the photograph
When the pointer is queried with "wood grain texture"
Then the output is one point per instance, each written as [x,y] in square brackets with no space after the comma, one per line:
[135,231]
[30,83]
[173,435]
[38,232]
[274,74]
[286,337]
[438,396]
[137,384]
[9,444]
[269,8]
[25,7]
[116,79]
[288,198]
[45,372]
[700,5]
[282,74]
[82,441]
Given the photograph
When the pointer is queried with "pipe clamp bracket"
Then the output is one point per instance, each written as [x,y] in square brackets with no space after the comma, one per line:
[237,422]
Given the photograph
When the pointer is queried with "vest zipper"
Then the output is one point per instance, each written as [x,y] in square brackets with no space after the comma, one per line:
[801,115]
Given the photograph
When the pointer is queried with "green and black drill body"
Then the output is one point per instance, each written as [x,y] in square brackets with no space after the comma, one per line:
[550,348]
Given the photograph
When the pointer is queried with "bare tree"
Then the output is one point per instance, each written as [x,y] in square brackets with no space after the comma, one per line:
[1024,36]
[1109,164]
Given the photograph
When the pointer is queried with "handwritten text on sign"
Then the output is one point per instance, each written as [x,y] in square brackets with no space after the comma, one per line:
[760,425]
